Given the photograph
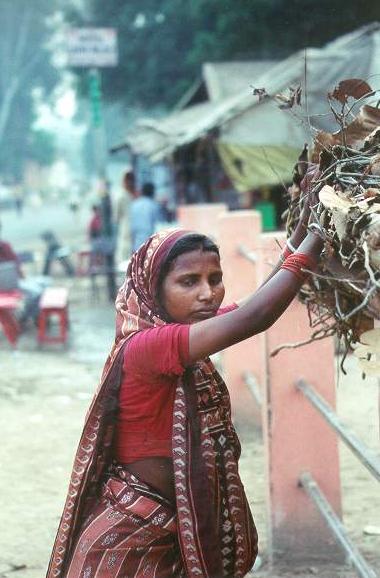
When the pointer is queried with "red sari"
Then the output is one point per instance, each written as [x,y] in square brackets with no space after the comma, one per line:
[210,532]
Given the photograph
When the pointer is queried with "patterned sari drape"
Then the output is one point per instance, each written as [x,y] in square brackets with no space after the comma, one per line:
[216,533]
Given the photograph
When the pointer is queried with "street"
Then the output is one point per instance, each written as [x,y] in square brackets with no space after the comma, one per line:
[24,230]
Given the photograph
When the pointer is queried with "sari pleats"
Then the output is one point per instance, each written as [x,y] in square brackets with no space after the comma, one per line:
[131,533]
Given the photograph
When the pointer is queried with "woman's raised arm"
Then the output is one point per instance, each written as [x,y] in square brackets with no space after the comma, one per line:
[256,313]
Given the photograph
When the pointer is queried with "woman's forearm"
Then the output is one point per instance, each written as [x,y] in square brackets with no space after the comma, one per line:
[295,239]
[256,313]
[276,294]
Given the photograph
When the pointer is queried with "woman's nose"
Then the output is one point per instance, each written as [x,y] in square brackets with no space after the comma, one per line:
[206,292]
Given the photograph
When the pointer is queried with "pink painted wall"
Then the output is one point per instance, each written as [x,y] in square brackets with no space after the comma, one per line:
[241,277]
[202,218]
[298,439]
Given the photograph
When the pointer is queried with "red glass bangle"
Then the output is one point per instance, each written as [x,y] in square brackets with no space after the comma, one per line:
[286,252]
[297,263]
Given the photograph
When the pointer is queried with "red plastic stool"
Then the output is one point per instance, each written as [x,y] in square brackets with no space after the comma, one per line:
[9,301]
[89,262]
[83,263]
[54,301]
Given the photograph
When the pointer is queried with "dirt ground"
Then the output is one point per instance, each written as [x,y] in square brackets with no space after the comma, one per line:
[44,395]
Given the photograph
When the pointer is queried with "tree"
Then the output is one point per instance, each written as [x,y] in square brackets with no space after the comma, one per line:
[164,42]
[25,66]
[154,36]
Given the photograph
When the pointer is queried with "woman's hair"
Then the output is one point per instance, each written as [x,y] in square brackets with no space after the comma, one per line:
[186,244]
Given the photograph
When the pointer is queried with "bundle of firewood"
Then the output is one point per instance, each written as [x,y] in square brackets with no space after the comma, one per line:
[343,295]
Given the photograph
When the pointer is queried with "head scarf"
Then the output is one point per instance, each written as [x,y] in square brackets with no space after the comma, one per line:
[136,302]
[211,506]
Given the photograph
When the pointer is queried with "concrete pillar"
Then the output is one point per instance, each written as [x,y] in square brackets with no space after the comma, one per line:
[241,278]
[202,218]
[298,439]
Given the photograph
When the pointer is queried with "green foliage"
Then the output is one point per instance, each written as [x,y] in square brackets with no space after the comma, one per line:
[41,147]
[164,42]
[25,66]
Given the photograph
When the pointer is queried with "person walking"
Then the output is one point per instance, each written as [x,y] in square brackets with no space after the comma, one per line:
[129,193]
[144,215]
[105,243]
[155,489]
[94,228]
[56,252]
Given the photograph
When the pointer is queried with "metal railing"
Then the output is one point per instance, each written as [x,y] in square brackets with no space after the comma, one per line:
[363,453]
[309,485]
[250,381]
[250,255]
[354,557]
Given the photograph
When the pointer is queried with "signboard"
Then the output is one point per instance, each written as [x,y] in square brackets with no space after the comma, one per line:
[92,47]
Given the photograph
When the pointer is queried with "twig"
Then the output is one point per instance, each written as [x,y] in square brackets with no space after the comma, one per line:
[273,169]
[332,278]
[361,306]
[368,266]
[315,337]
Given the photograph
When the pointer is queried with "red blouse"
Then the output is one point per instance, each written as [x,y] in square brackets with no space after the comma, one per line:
[153,361]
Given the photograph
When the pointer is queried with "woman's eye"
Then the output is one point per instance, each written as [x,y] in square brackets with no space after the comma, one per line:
[187,282]
[216,280]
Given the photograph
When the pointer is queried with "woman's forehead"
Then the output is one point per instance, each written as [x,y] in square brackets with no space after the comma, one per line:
[195,261]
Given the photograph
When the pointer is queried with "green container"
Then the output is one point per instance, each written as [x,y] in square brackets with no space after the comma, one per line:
[268,215]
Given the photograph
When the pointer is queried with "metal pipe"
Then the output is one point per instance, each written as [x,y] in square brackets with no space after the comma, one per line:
[354,557]
[362,452]
[250,255]
[253,386]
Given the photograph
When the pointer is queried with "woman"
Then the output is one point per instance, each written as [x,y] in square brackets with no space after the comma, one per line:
[155,490]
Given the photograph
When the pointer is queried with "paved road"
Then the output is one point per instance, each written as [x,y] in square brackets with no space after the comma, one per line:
[24,230]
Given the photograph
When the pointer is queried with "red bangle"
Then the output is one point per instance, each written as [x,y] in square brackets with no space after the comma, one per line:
[286,252]
[297,263]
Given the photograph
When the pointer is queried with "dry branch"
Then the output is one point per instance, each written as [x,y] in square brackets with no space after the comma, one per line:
[343,295]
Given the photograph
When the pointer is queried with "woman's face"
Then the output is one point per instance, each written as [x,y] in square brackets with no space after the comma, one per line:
[193,289]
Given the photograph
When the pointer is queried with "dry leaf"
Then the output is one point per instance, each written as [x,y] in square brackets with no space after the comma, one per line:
[375,166]
[331,200]
[371,338]
[352,87]
[365,126]
[289,100]
[371,192]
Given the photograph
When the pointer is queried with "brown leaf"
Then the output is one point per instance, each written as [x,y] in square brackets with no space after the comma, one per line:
[371,193]
[352,87]
[300,168]
[366,122]
[375,166]
[323,141]
[372,139]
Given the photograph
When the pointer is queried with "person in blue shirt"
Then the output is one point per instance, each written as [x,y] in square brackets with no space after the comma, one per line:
[144,215]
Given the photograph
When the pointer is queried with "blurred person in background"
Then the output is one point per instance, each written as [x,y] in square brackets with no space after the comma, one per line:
[12,278]
[8,255]
[55,251]
[128,194]
[106,242]
[95,224]
[18,195]
[144,215]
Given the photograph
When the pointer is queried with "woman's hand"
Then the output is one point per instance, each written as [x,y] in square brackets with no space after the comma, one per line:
[310,204]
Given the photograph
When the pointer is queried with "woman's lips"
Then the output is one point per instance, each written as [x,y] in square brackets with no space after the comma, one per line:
[204,314]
